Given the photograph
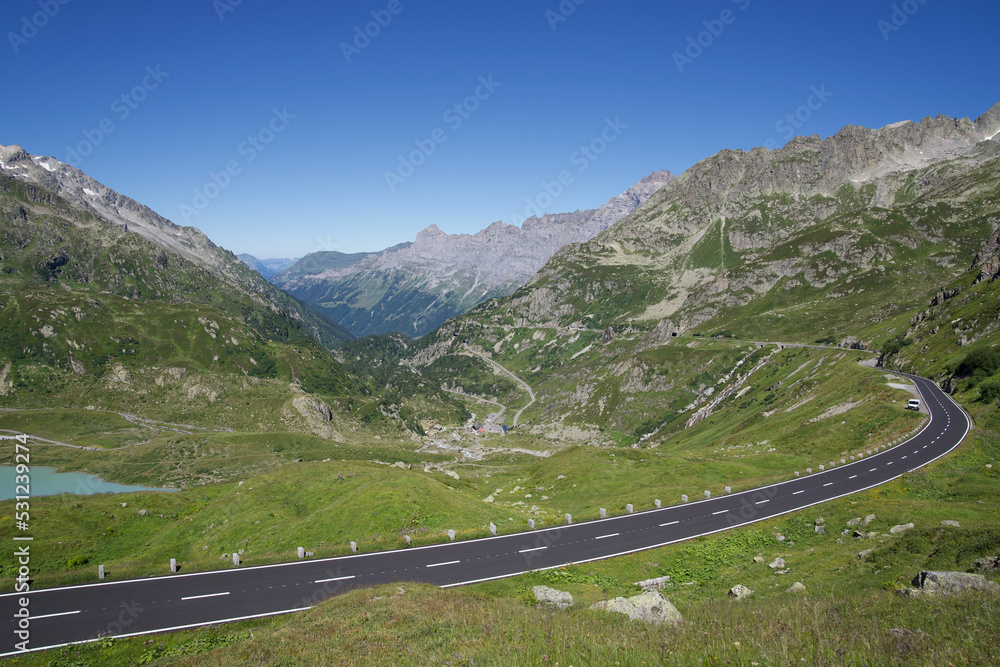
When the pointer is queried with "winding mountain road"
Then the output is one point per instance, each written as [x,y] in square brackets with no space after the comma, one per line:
[531,394]
[80,613]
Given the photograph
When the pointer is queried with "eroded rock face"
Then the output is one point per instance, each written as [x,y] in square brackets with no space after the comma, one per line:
[953,582]
[119,376]
[650,607]
[6,385]
[312,408]
[318,415]
[988,259]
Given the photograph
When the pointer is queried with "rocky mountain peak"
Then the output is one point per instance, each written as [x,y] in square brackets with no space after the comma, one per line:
[662,177]
[989,123]
[430,232]
[441,275]
[11,155]
[85,193]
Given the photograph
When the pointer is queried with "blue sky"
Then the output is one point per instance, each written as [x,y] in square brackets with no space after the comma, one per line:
[280,129]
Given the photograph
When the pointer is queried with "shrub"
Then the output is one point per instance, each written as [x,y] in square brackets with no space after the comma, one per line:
[76,561]
[893,346]
[982,361]
[989,391]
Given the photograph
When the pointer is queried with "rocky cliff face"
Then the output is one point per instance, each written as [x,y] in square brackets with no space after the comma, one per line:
[413,289]
[862,206]
[987,260]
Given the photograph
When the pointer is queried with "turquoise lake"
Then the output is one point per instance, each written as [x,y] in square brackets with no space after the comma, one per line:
[48,482]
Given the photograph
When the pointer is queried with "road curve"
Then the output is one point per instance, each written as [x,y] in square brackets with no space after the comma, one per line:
[139,606]
[521,382]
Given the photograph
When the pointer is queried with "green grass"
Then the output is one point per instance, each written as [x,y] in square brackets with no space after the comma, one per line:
[422,625]
[320,506]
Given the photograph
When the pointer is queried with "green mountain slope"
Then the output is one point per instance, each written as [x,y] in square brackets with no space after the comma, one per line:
[837,242]
[85,302]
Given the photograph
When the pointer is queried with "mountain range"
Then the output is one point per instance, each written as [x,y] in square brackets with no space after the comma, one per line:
[413,287]
[837,241]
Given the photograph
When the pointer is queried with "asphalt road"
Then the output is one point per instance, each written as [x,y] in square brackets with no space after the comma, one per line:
[79,613]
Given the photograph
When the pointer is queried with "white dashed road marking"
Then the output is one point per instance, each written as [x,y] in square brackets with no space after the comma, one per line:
[62,613]
[210,595]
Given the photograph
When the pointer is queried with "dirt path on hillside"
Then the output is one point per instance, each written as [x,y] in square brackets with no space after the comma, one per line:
[521,382]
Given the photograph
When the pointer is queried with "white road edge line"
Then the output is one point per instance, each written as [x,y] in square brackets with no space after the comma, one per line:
[451,562]
[62,613]
[611,535]
[968,427]
[323,581]
[158,631]
[210,595]
[953,402]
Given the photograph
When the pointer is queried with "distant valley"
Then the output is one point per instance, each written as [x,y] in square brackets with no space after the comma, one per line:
[269,266]
[413,287]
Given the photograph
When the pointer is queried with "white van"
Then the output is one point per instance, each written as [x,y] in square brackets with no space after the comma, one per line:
[913,404]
